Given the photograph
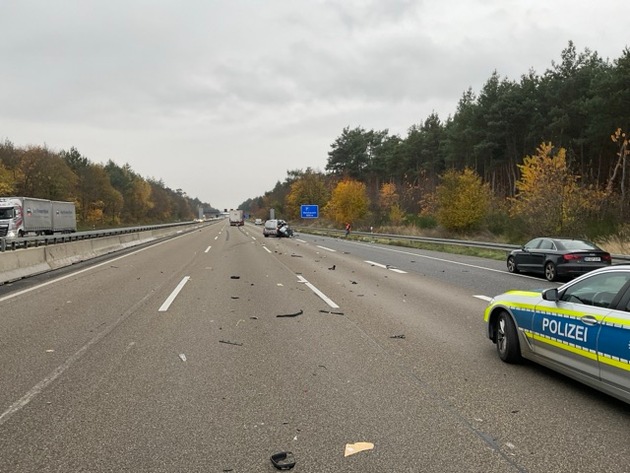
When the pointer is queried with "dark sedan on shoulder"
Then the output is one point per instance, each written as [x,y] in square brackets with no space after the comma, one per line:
[557,257]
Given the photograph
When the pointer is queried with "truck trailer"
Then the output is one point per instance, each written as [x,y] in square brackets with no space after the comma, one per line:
[21,216]
[236,218]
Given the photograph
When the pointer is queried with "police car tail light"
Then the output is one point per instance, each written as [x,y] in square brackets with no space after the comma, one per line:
[606,257]
[571,257]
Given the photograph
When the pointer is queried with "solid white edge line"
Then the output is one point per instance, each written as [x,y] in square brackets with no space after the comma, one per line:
[483,298]
[266,249]
[327,249]
[301,241]
[169,300]
[396,270]
[323,296]
[207,249]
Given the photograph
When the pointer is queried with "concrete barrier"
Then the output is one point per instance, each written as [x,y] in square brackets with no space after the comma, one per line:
[22,263]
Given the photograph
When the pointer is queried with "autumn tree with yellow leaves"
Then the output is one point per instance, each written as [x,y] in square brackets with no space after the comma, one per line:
[349,202]
[389,204]
[309,189]
[463,200]
[550,199]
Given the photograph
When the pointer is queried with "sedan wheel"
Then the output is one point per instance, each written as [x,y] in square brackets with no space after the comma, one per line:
[511,265]
[550,271]
[507,339]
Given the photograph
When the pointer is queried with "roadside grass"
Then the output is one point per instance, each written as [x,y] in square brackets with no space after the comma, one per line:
[499,255]
[616,244]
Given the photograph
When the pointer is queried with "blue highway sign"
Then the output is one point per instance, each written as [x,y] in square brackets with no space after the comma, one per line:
[309,211]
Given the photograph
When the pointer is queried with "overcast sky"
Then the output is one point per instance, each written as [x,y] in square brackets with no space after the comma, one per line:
[220,98]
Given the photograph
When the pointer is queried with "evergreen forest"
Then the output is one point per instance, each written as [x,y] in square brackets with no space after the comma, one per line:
[542,154]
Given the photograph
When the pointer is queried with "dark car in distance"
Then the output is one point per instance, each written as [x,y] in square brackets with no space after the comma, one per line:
[557,257]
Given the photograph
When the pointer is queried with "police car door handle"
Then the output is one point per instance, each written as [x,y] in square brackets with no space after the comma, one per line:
[589,320]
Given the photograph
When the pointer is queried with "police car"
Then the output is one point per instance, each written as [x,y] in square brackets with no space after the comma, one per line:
[580,329]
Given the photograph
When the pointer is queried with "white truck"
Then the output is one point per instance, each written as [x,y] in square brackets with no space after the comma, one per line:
[236,218]
[21,216]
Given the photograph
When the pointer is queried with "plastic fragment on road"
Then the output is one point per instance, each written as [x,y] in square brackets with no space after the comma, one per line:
[352,448]
[330,312]
[235,277]
[300,312]
[401,336]
[283,460]
[182,357]
[227,342]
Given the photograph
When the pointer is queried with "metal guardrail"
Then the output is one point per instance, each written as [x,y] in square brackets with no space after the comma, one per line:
[11,244]
[438,241]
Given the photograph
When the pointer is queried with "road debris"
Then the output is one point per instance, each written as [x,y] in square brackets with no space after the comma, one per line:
[235,297]
[235,277]
[283,460]
[295,256]
[182,357]
[401,336]
[332,268]
[300,312]
[331,312]
[352,448]
[227,342]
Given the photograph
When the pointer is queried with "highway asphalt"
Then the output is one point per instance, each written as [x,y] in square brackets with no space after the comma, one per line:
[214,350]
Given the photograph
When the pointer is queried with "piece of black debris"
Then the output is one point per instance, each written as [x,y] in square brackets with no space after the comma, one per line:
[296,256]
[235,277]
[332,268]
[227,342]
[402,336]
[234,297]
[354,282]
[300,312]
[253,317]
[283,460]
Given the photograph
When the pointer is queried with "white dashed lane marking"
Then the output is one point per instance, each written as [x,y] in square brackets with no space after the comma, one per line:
[169,300]
[386,266]
[323,296]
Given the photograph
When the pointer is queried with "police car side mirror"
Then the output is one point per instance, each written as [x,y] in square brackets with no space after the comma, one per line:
[551,294]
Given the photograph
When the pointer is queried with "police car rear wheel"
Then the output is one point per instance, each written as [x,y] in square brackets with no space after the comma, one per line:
[507,339]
